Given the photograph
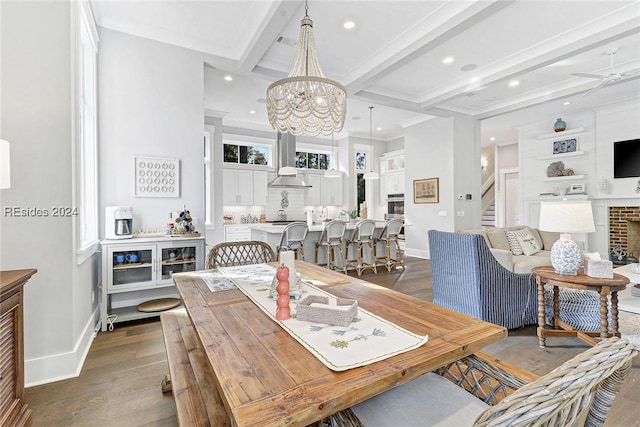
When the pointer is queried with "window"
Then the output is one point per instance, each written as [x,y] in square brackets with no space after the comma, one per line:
[361,161]
[246,154]
[312,160]
[85,210]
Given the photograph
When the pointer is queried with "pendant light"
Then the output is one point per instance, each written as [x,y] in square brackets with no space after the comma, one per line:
[371,174]
[332,173]
[306,102]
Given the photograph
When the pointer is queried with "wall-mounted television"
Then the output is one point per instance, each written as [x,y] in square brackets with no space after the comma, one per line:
[626,159]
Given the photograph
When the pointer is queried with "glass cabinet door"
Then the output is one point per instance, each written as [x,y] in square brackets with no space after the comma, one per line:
[177,257]
[130,267]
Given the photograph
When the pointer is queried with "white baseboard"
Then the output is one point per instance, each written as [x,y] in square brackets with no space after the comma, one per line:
[418,253]
[62,366]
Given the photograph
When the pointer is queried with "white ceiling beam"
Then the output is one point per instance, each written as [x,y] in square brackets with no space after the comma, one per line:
[449,20]
[619,24]
[280,14]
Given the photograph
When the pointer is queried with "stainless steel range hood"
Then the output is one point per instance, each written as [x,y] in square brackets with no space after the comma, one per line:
[286,156]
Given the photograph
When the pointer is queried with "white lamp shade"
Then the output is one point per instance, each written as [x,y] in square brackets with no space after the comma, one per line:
[5,164]
[371,175]
[567,217]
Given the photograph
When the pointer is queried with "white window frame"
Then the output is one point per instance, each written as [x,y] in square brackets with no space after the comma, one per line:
[85,129]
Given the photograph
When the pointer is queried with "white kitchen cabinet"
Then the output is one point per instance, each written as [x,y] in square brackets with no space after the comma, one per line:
[237,233]
[145,273]
[395,182]
[331,192]
[314,193]
[324,191]
[244,187]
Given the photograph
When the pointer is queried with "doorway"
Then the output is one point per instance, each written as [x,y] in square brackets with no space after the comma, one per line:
[508,209]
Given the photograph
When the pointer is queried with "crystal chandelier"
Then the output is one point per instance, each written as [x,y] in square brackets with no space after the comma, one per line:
[371,174]
[306,102]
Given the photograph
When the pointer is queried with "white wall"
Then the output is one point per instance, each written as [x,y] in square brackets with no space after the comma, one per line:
[36,108]
[619,122]
[150,104]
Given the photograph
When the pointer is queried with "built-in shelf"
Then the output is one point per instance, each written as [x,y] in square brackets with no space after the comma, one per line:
[562,155]
[565,178]
[568,132]
[566,196]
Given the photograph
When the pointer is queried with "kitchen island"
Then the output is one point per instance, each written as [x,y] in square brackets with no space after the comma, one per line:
[270,233]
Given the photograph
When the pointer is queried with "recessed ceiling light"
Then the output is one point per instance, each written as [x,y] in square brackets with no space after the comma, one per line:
[447,60]
[566,103]
[252,111]
[228,78]
[514,83]
[378,128]
[493,138]
[469,67]
[261,100]
[349,25]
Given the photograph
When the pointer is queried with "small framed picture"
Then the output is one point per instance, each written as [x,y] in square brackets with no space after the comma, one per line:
[576,189]
[565,146]
[426,190]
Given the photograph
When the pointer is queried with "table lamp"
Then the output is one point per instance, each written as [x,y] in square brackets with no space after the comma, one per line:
[566,217]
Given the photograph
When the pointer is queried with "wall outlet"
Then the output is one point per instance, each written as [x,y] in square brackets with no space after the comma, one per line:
[460,197]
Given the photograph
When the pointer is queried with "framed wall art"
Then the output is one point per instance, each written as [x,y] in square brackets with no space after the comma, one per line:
[156,177]
[565,146]
[426,190]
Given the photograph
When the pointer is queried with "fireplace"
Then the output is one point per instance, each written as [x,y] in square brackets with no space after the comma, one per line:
[624,229]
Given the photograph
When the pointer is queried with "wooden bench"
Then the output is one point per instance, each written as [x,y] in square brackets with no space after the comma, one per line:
[191,378]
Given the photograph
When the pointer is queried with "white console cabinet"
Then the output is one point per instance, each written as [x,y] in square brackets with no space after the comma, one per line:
[144,273]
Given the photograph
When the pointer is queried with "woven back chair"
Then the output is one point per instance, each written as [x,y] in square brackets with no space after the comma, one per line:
[332,240]
[581,388]
[292,238]
[389,238]
[240,253]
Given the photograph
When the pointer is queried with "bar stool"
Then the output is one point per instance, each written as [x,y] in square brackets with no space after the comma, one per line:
[292,238]
[362,237]
[332,240]
[389,237]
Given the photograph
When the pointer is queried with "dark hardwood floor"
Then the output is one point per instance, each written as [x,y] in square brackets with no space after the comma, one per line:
[120,382]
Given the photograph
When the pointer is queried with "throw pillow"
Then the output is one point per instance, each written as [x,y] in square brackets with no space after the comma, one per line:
[548,239]
[528,242]
[498,239]
[514,245]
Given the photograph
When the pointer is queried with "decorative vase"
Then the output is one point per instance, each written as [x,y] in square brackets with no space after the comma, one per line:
[559,126]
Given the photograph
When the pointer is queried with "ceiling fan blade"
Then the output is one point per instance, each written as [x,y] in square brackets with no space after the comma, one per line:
[595,88]
[590,76]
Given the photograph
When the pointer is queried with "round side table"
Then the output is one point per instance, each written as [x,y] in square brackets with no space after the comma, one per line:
[547,276]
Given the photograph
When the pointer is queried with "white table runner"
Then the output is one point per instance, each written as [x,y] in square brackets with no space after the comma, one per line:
[367,339]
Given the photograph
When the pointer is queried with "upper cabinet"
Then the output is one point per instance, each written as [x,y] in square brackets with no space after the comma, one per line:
[324,191]
[244,187]
[391,174]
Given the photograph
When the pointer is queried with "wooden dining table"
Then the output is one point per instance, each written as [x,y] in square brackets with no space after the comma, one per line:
[265,377]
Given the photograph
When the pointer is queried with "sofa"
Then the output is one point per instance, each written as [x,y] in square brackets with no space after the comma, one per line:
[518,248]
[578,308]
[468,279]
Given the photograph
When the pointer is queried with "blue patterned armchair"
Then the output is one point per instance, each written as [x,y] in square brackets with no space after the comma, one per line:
[467,278]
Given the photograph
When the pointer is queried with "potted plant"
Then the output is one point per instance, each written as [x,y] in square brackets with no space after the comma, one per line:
[353,214]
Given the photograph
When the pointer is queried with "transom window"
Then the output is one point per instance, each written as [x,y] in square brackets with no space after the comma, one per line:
[247,154]
[312,160]
[361,161]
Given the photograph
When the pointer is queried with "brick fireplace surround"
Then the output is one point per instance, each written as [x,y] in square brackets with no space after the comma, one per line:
[624,229]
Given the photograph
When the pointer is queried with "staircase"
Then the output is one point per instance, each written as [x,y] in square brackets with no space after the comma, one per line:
[488,219]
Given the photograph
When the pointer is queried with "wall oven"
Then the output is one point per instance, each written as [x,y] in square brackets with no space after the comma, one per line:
[395,205]
[395,209]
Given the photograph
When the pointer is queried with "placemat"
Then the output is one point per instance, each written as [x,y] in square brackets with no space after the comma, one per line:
[369,338]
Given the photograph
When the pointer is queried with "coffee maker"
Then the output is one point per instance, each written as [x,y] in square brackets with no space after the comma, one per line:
[118,222]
